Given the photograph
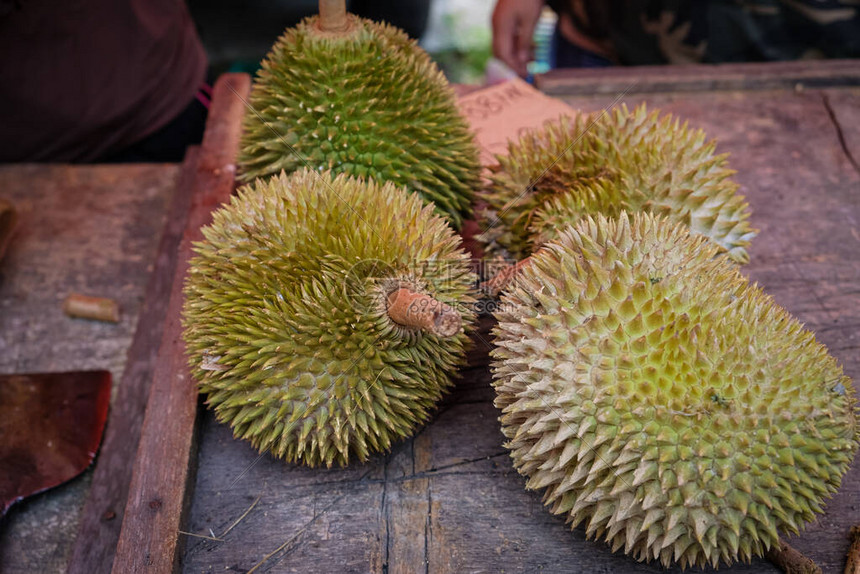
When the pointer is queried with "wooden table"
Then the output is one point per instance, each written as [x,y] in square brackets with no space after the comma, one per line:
[448,500]
[112,231]
[86,229]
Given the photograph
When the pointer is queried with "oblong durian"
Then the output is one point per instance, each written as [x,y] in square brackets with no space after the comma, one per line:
[663,401]
[610,162]
[367,102]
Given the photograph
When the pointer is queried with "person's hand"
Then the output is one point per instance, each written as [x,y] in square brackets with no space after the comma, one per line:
[514,23]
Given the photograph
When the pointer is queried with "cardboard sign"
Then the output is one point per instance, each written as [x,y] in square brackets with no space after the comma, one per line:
[502,112]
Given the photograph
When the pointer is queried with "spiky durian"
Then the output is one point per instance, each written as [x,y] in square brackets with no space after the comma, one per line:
[287,316]
[559,210]
[609,162]
[366,101]
[658,397]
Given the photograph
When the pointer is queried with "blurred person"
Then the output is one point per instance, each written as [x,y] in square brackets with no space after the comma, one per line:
[593,33]
[100,80]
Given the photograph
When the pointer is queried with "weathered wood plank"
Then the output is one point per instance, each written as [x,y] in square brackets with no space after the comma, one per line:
[303,512]
[157,495]
[90,229]
[405,519]
[105,507]
[699,78]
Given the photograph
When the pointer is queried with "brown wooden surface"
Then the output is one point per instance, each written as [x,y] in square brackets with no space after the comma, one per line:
[103,513]
[448,500]
[8,220]
[154,510]
[88,229]
[799,75]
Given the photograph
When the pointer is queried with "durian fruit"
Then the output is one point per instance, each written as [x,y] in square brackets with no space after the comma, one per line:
[663,401]
[559,210]
[323,316]
[353,96]
[609,162]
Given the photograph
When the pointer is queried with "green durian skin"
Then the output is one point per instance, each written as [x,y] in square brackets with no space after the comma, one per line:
[370,104]
[620,160]
[285,323]
[659,398]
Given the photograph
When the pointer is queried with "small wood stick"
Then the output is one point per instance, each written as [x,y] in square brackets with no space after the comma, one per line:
[790,560]
[201,536]
[411,309]
[333,16]
[504,278]
[86,307]
[852,564]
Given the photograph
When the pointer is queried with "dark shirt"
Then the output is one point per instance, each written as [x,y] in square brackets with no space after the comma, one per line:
[678,31]
[82,78]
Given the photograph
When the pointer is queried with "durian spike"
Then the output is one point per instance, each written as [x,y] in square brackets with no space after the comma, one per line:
[501,280]
[333,16]
[420,311]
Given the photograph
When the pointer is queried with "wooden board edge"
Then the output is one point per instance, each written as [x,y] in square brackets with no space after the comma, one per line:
[804,74]
[157,500]
[102,516]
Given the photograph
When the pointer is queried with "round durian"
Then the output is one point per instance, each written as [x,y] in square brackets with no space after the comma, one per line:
[658,397]
[288,322]
[607,163]
[366,101]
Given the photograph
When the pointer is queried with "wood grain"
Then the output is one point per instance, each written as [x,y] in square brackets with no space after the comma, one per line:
[149,537]
[448,500]
[104,510]
[844,109]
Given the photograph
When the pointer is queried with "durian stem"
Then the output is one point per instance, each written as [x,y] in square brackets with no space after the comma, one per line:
[504,278]
[333,15]
[852,563]
[790,560]
[411,309]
